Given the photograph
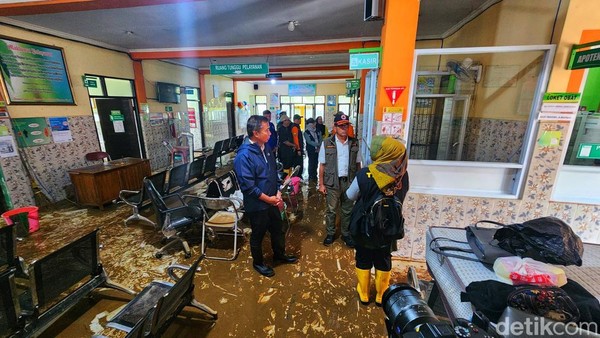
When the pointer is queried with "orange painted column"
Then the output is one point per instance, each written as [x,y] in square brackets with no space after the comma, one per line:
[398,38]
[140,85]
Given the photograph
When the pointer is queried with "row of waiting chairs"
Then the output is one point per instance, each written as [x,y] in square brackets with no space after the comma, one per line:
[226,146]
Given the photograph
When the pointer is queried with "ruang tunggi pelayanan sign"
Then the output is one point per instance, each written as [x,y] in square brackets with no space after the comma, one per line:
[239,69]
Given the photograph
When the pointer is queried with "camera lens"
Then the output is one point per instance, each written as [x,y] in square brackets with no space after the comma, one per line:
[405,310]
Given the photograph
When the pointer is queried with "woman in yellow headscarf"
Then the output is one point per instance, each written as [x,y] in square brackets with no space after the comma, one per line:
[386,176]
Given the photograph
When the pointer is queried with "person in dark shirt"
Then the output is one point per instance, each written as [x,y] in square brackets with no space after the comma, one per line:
[256,170]
[287,148]
[273,139]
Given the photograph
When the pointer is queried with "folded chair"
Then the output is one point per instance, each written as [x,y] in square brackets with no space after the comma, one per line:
[136,199]
[220,216]
[177,218]
[97,156]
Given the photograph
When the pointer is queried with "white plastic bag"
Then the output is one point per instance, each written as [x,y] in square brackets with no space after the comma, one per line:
[516,270]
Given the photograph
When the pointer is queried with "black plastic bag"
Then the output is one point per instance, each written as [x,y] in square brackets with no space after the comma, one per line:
[545,239]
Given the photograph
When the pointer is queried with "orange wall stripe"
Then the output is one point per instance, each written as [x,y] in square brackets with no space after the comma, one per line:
[202,81]
[325,48]
[398,38]
[576,77]
[140,85]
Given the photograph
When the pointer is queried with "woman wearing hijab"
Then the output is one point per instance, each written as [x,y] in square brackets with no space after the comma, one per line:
[385,176]
[321,128]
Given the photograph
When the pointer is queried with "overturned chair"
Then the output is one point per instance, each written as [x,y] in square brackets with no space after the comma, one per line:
[151,312]
[175,215]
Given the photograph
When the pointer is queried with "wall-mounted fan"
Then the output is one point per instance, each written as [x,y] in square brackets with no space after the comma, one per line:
[465,71]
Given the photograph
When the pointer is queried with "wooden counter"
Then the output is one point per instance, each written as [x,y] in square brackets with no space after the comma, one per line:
[99,184]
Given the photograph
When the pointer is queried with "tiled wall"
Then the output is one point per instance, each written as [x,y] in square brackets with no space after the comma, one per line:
[490,140]
[154,135]
[422,211]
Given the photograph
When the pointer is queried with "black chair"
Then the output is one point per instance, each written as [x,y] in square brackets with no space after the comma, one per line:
[210,165]
[139,199]
[176,218]
[52,278]
[223,186]
[151,312]
[8,257]
[196,172]
[10,319]
[239,140]
[218,149]
[178,177]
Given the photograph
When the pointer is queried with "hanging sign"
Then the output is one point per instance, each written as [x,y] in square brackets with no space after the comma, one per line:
[394,93]
[364,61]
[239,69]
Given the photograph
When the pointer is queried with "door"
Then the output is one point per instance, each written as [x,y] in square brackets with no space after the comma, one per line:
[368,116]
[119,124]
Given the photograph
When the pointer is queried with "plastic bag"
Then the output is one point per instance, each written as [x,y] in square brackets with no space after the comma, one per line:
[516,270]
[545,239]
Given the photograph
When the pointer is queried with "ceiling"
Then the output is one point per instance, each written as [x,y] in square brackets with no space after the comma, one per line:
[232,31]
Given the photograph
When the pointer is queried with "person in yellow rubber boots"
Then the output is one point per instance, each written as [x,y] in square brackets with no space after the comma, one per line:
[385,177]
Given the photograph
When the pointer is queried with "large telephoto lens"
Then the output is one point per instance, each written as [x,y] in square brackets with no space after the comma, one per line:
[405,310]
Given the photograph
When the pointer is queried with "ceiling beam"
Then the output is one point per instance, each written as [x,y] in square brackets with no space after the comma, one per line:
[315,48]
[60,6]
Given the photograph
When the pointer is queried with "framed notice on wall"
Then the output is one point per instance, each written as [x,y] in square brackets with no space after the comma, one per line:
[34,73]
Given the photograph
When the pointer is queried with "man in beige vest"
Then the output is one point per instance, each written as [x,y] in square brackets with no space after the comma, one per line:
[339,160]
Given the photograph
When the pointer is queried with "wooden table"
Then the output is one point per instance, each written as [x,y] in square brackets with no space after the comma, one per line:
[99,184]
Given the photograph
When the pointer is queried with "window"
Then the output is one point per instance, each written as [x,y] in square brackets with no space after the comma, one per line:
[344,104]
[261,104]
[472,114]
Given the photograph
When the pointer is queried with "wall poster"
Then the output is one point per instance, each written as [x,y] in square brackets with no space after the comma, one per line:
[34,73]
[31,131]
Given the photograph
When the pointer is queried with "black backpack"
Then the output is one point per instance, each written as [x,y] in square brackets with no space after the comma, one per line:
[383,219]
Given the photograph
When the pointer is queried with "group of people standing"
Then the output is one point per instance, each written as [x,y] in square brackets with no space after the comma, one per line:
[340,178]
[289,143]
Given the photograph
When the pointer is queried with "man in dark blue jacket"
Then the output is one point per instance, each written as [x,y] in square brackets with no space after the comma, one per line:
[256,170]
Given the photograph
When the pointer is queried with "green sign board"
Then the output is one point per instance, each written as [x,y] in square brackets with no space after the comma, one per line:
[116,115]
[589,151]
[364,61]
[239,69]
[352,84]
[585,59]
[168,108]
[88,82]
[32,131]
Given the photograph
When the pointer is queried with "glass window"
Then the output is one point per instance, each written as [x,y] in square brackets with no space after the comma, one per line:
[119,87]
[320,99]
[98,90]
[308,99]
[344,99]
[260,107]
[319,110]
[344,108]
[285,99]
[296,99]
[476,108]
[261,98]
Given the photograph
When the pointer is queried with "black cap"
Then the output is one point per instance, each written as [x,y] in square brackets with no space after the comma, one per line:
[340,119]
[297,117]
[310,120]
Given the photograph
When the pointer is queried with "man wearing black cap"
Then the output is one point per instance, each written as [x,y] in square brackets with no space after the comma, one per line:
[273,139]
[339,161]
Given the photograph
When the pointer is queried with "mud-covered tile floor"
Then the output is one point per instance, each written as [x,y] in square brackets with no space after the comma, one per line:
[315,297]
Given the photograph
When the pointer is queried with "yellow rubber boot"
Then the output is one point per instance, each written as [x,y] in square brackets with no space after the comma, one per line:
[364,279]
[382,281]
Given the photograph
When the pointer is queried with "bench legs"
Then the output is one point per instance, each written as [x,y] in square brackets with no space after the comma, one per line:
[203,308]
[137,217]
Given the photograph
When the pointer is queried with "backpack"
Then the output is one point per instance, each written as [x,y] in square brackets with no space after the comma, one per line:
[383,219]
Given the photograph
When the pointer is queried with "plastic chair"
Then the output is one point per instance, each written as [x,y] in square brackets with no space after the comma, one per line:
[220,217]
[97,156]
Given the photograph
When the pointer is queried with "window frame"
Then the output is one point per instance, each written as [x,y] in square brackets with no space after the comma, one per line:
[479,179]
